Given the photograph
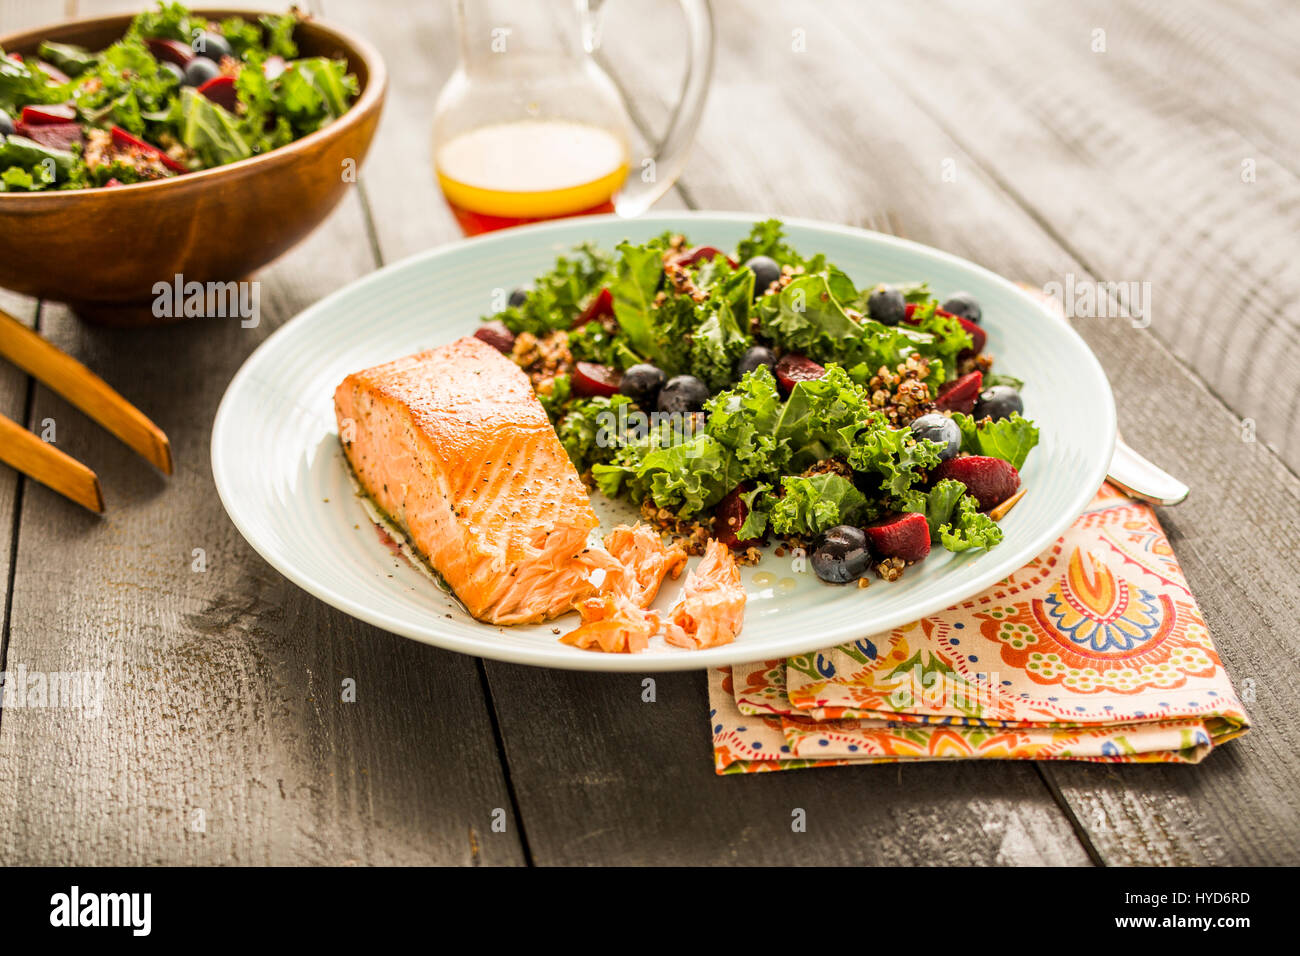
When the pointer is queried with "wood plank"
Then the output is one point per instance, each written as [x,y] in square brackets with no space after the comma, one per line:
[221,689]
[1223,58]
[603,777]
[871,156]
[14,388]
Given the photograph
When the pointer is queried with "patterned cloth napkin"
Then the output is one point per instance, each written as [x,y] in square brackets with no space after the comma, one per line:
[1095,650]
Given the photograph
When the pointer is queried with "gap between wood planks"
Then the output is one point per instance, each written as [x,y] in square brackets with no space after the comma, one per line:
[15,522]
[486,683]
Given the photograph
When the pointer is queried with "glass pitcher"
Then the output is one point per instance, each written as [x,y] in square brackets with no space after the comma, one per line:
[530,127]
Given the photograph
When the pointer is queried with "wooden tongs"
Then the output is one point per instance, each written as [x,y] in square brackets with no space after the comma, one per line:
[87,391]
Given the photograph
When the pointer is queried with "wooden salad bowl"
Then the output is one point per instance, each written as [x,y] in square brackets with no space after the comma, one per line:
[102,251]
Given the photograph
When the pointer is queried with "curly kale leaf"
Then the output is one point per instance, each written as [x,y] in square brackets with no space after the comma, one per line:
[559,296]
[688,470]
[894,456]
[1011,439]
[589,430]
[592,342]
[716,346]
[969,528]
[954,516]
[743,420]
[823,416]
[810,504]
[768,239]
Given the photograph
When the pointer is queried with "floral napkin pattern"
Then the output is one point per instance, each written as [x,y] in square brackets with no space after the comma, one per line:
[1095,650]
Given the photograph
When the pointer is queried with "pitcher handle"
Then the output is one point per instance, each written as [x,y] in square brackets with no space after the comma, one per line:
[655,177]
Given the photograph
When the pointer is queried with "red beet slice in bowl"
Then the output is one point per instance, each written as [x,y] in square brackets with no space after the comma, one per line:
[221,90]
[990,481]
[601,305]
[728,518]
[792,368]
[61,136]
[960,394]
[591,379]
[170,51]
[496,335]
[124,140]
[52,114]
[905,535]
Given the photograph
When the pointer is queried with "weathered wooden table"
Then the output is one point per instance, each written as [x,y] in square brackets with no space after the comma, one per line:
[1120,141]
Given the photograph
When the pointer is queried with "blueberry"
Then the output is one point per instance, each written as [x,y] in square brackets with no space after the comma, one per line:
[766,271]
[998,402]
[755,356]
[841,555]
[939,428]
[683,393]
[886,306]
[642,383]
[213,46]
[200,70]
[167,66]
[6,124]
[964,305]
[517,297]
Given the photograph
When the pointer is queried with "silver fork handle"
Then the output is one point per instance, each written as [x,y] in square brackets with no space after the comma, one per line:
[1136,476]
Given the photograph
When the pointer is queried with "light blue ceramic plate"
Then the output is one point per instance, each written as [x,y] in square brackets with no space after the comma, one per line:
[281,476]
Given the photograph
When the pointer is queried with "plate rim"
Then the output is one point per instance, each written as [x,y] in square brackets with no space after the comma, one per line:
[655,661]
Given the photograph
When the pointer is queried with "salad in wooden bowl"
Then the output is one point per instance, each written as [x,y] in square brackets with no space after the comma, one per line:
[134,150]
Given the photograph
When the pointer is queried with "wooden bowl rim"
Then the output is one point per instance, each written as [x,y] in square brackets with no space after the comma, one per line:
[353,44]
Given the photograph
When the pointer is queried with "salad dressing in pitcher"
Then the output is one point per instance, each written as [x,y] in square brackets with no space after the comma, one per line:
[507,174]
[530,127]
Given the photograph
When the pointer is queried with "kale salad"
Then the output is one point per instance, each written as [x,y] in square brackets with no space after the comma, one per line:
[176,94]
[762,394]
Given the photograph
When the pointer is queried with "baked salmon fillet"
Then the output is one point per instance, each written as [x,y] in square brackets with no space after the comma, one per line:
[456,450]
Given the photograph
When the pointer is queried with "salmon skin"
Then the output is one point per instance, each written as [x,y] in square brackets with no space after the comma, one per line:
[454,448]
